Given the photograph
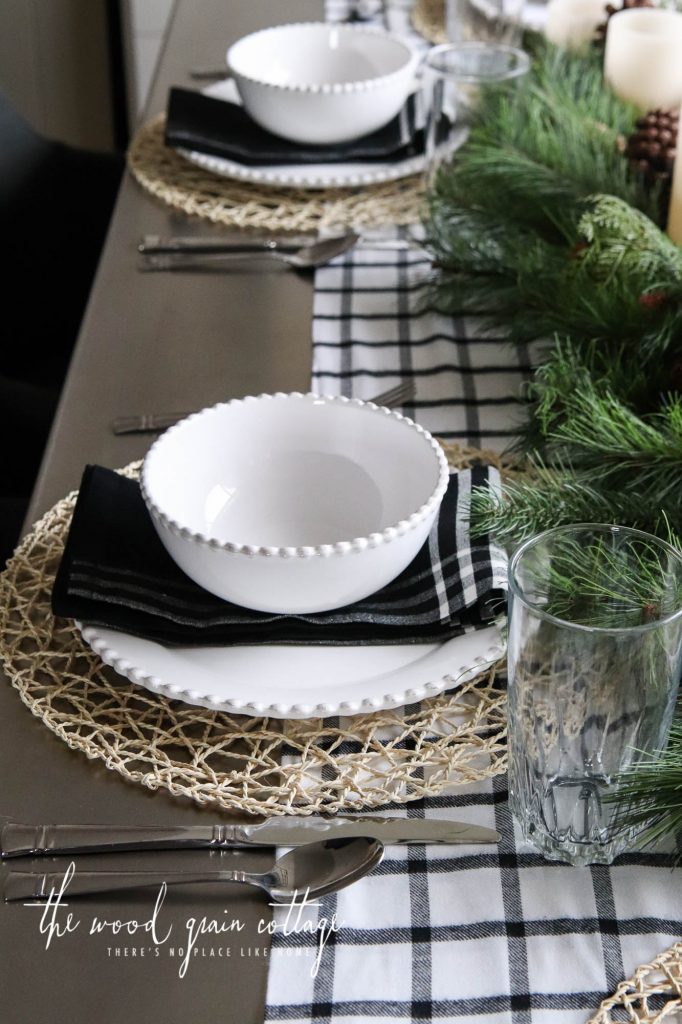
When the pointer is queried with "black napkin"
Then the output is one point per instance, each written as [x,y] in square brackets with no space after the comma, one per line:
[224,129]
[115,572]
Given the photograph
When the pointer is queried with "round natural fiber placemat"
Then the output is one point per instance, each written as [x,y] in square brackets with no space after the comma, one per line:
[198,192]
[428,19]
[256,765]
[651,996]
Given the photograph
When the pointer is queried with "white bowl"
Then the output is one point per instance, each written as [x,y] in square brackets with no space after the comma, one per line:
[294,503]
[322,84]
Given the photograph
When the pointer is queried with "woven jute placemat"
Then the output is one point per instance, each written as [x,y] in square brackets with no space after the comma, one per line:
[254,765]
[236,204]
[428,19]
[653,994]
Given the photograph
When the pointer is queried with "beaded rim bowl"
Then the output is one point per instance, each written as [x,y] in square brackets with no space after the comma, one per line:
[321,84]
[267,541]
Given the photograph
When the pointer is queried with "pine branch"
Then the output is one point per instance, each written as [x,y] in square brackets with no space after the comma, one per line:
[650,794]
[591,582]
[585,368]
[614,278]
[621,242]
[578,81]
[602,461]
[556,498]
[608,442]
[535,153]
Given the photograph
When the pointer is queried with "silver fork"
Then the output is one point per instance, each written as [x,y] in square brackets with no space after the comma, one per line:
[151,423]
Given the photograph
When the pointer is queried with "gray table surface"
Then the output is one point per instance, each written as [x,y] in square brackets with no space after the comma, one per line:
[149,342]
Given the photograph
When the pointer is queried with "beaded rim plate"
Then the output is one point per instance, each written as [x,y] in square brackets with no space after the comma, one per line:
[312,176]
[233,762]
[289,681]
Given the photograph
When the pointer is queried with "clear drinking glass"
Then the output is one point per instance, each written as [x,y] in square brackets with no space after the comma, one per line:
[490,21]
[595,655]
[453,78]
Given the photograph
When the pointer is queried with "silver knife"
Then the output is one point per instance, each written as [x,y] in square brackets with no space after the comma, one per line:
[18,840]
[231,243]
[156,245]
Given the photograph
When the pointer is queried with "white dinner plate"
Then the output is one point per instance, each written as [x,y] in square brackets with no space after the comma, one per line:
[312,176]
[281,681]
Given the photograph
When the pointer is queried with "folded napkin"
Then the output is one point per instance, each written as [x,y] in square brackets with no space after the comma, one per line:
[115,572]
[221,128]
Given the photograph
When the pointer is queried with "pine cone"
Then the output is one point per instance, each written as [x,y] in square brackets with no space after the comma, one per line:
[610,9]
[651,150]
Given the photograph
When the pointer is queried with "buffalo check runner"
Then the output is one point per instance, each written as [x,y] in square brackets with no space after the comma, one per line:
[374,326]
[490,934]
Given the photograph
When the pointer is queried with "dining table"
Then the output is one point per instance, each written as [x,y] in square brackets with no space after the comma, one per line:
[148,342]
[493,932]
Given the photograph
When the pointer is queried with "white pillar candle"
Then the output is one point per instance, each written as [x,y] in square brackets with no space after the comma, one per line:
[643,57]
[675,212]
[572,24]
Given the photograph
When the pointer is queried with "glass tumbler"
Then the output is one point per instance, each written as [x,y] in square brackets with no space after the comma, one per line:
[595,655]
[453,78]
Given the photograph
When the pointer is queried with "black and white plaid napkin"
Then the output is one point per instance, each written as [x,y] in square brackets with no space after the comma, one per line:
[115,572]
[224,129]
[457,935]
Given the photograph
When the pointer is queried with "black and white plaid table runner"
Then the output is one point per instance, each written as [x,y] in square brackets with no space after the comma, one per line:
[494,934]
[393,15]
[491,935]
[373,327]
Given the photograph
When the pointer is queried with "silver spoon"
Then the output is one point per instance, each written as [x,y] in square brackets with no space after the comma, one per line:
[305,258]
[315,869]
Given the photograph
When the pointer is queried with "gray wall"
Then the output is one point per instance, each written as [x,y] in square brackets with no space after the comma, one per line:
[54,66]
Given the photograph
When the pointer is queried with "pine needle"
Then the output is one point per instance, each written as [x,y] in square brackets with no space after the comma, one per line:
[650,794]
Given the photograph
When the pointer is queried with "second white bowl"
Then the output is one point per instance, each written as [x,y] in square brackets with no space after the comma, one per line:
[322,84]
[294,503]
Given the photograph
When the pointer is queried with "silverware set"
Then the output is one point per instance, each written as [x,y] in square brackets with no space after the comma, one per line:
[307,257]
[151,423]
[314,870]
[328,853]
[302,252]
[153,245]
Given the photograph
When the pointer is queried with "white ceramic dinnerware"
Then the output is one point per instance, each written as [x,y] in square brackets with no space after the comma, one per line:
[291,681]
[294,503]
[349,174]
[320,83]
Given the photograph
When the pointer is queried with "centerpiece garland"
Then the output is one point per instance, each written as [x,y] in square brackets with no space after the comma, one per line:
[545,229]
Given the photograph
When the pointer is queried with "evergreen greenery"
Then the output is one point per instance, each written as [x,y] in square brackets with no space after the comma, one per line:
[650,795]
[540,227]
[590,580]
